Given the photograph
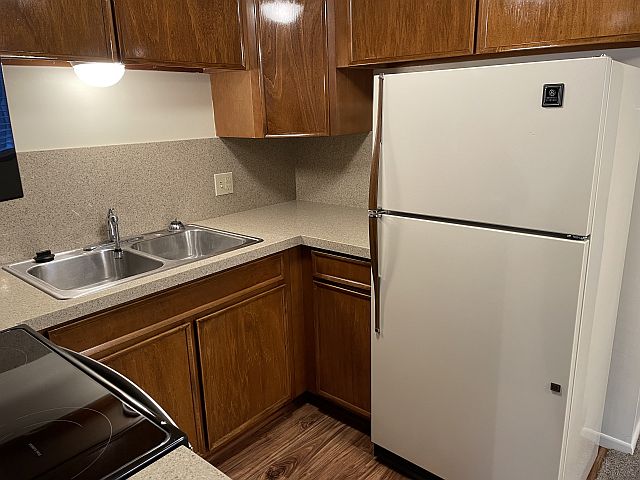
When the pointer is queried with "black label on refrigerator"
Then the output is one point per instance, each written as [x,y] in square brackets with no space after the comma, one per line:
[552,95]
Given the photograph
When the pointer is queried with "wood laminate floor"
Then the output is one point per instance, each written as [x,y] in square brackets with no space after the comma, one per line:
[307,444]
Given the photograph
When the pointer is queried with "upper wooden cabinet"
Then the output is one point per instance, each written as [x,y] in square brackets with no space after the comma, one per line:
[293,48]
[223,353]
[379,31]
[518,24]
[370,32]
[292,86]
[239,364]
[285,61]
[192,33]
[57,29]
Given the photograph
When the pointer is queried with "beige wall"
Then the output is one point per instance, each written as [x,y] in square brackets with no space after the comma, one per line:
[51,108]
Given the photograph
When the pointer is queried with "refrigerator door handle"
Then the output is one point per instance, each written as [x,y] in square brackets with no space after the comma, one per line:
[377,144]
[375,273]
[374,212]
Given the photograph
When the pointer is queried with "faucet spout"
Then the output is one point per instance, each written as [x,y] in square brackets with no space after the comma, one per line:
[113,230]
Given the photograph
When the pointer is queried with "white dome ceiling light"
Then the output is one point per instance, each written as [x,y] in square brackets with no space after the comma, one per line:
[283,12]
[99,74]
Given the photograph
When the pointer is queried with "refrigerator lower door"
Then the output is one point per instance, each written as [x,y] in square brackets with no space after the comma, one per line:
[478,327]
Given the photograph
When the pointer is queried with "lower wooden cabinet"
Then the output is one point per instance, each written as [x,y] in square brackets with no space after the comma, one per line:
[343,346]
[164,367]
[241,368]
[245,364]
[223,353]
[342,325]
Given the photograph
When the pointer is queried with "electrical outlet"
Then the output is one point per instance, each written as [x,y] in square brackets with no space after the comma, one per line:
[224,183]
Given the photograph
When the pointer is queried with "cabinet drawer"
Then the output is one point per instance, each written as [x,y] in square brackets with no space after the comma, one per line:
[341,270]
[182,302]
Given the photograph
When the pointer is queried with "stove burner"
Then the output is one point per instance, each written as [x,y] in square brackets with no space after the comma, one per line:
[37,439]
[12,357]
[16,352]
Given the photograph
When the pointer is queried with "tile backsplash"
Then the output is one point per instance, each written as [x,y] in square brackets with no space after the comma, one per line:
[68,192]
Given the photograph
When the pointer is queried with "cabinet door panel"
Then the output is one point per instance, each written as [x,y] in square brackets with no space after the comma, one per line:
[163,366]
[343,347]
[57,29]
[513,24]
[383,31]
[293,50]
[96,332]
[245,364]
[199,33]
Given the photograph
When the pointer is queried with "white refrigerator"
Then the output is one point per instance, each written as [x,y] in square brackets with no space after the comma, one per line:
[499,212]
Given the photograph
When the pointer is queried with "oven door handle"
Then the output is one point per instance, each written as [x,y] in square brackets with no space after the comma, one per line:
[123,384]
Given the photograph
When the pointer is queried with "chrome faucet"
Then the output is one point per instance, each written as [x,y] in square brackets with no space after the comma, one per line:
[114,232]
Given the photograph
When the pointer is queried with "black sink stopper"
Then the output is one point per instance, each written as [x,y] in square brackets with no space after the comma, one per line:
[44,256]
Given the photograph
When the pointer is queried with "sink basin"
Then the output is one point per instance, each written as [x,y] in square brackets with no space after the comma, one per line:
[192,244]
[90,270]
[81,272]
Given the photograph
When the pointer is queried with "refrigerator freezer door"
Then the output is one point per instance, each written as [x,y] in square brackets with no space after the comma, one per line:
[477,324]
[476,144]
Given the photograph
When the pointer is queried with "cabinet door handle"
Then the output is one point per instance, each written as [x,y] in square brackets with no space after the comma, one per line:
[373,209]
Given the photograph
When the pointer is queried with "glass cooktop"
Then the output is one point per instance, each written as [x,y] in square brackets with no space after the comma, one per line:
[57,422]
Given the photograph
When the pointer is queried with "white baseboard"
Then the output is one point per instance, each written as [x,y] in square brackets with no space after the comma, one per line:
[634,439]
[615,444]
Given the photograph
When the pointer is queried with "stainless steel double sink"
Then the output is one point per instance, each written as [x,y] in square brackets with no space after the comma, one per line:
[84,271]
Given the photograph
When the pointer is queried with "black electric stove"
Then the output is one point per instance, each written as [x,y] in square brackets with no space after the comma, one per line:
[60,419]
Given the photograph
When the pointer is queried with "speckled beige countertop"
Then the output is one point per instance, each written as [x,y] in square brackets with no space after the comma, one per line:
[281,226]
[180,464]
